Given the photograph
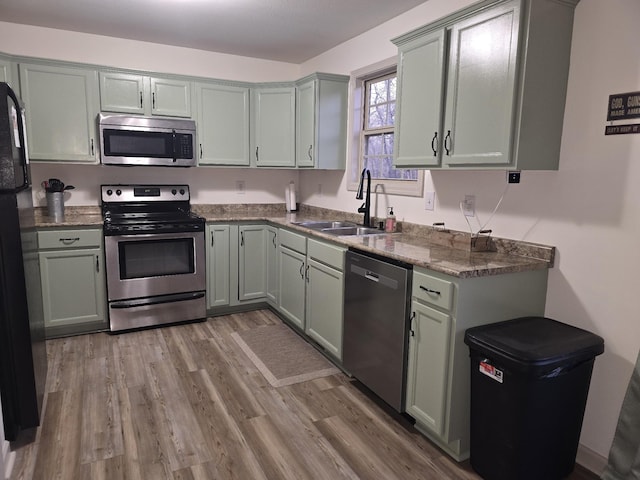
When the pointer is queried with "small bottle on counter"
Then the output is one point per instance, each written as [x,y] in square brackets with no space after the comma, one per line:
[390,222]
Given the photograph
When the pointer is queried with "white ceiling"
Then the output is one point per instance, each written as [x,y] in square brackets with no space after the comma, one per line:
[285,30]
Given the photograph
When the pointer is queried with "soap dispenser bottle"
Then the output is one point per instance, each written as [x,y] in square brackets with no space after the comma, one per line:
[390,223]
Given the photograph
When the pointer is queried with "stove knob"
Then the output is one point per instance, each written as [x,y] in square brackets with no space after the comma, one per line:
[109,192]
[182,191]
[118,192]
[174,191]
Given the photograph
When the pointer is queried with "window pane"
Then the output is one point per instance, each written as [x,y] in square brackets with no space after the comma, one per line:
[378,116]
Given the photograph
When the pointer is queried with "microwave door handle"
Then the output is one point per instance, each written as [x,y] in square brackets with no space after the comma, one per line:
[175,147]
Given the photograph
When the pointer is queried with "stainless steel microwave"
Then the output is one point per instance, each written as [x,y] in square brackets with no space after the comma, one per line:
[153,141]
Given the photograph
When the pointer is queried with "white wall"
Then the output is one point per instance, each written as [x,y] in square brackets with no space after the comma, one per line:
[587,209]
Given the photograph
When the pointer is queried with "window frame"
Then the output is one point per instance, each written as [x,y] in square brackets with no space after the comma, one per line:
[412,188]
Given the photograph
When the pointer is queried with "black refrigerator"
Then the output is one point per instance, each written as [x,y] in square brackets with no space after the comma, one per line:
[23,358]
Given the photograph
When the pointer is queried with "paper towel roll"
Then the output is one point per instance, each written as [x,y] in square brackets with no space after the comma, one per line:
[292,197]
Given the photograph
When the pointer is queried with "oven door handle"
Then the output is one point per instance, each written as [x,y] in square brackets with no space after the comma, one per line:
[143,302]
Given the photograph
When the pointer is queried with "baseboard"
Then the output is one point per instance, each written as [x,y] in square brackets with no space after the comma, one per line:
[591,460]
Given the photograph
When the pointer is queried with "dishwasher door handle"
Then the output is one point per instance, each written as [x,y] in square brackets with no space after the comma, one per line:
[371,276]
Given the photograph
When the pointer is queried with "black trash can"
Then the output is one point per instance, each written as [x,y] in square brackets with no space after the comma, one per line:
[529,383]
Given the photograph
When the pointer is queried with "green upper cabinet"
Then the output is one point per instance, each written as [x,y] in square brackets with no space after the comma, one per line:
[274,113]
[321,121]
[419,122]
[61,108]
[485,87]
[141,94]
[223,124]
[481,88]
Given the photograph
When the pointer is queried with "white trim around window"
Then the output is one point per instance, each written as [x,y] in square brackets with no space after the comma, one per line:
[357,85]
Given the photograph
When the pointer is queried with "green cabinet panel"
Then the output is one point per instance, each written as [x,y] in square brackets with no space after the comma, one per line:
[274,114]
[6,67]
[141,94]
[61,108]
[217,265]
[427,366]
[481,88]
[292,285]
[73,290]
[418,121]
[324,309]
[321,121]
[273,276]
[223,124]
[252,269]
[504,67]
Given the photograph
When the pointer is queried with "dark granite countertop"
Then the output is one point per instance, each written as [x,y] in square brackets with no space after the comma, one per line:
[444,251]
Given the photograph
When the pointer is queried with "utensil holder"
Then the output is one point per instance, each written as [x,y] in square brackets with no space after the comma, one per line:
[55,206]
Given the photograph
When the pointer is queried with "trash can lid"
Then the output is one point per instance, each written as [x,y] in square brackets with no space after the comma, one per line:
[535,342]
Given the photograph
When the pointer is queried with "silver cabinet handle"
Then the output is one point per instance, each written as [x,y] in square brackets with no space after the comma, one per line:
[302,270]
[412,332]
[141,100]
[92,148]
[242,239]
[97,264]
[434,144]
[257,157]
[153,100]
[309,152]
[448,137]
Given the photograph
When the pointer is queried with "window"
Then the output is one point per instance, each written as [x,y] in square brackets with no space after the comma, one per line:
[374,118]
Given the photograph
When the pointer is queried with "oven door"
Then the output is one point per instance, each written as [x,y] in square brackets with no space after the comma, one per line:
[148,265]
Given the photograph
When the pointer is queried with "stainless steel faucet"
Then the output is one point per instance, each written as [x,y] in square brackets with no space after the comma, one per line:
[366,206]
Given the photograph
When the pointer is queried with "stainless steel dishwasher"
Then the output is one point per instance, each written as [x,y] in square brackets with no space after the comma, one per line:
[376,320]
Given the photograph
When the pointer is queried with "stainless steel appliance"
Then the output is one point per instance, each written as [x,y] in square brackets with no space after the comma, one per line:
[376,321]
[138,140]
[23,356]
[155,256]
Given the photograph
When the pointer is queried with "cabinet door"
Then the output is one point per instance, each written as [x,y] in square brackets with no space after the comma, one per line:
[252,274]
[306,124]
[217,265]
[481,88]
[223,124]
[61,108]
[274,117]
[292,285]
[428,366]
[73,287]
[419,109]
[122,92]
[324,309]
[273,277]
[170,97]
[5,72]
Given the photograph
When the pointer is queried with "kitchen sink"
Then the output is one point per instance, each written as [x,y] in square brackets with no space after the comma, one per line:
[321,224]
[354,230]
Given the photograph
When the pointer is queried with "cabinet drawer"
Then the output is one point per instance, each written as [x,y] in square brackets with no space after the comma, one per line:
[69,238]
[331,255]
[432,290]
[294,241]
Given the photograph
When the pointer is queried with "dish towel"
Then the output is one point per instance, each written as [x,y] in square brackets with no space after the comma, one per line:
[624,456]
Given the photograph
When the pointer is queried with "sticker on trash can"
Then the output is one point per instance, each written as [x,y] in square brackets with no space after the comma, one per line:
[490,371]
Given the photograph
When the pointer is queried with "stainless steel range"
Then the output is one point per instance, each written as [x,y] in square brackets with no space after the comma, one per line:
[155,256]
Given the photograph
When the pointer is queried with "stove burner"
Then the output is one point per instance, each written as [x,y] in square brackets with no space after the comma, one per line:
[148,209]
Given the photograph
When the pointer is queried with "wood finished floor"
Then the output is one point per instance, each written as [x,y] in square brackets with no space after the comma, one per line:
[185,402]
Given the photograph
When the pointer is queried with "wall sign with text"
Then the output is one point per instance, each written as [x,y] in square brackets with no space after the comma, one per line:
[623,106]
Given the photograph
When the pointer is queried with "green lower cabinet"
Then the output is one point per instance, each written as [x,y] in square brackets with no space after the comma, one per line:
[292,285]
[252,269]
[217,265]
[273,276]
[438,372]
[427,366]
[73,291]
[324,309]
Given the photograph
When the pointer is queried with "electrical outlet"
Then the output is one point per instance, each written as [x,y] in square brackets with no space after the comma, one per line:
[513,176]
[240,187]
[469,206]
[429,200]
